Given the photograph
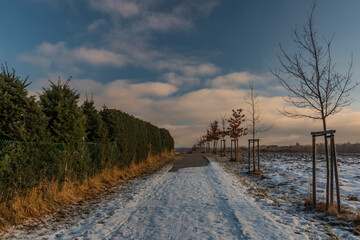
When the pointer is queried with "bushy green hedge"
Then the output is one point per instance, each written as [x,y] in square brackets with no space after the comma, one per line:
[55,139]
[24,165]
[134,137]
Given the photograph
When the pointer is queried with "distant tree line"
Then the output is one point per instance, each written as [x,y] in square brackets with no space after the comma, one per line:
[340,148]
[56,139]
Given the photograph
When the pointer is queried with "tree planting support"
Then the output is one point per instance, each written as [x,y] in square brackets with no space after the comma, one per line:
[223,147]
[207,150]
[215,147]
[333,168]
[234,149]
[252,146]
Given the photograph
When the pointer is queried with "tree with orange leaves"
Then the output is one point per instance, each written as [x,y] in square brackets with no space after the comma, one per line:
[235,129]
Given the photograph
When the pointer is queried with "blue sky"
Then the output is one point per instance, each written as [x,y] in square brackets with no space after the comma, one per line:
[178,64]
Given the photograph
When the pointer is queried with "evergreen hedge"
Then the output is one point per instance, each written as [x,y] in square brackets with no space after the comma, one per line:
[55,139]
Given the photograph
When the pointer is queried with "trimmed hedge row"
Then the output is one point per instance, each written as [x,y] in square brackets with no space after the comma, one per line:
[23,165]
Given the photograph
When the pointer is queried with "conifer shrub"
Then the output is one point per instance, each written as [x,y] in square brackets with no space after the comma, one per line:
[55,140]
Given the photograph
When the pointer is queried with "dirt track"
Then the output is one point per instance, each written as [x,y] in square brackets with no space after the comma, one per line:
[190,160]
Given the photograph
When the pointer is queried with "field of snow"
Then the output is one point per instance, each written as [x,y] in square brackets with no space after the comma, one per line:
[286,183]
[297,168]
[209,202]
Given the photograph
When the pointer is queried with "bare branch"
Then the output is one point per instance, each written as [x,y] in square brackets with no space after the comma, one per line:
[315,89]
[255,113]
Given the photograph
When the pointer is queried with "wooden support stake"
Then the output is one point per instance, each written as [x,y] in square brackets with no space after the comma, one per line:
[253,155]
[249,156]
[336,174]
[258,153]
[314,170]
[331,170]
[327,172]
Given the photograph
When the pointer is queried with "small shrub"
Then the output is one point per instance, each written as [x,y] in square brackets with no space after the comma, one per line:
[332,211]
[353,198]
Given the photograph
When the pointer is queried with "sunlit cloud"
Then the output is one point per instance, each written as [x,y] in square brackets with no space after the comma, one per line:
[235,80]
[58,54]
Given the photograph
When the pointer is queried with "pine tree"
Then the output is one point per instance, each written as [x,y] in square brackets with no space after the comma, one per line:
[66,120]
[21,118]
[95,127]
[67,126]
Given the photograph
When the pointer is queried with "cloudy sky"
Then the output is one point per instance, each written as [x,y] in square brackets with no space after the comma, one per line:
[178,64]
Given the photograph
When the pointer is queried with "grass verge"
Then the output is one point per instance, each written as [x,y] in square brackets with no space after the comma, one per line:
[49,196]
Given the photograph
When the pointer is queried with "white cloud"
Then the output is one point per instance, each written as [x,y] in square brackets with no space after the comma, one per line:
[201,70]
[117,7]
[130,41]
[98,57]
[165,22]
[47,54]
[177,79]
[96,24]
[234,80]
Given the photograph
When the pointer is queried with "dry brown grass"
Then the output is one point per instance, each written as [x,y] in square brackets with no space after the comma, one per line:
[321,206]
[240,159]
[345,215]
[49,196]
[357,230]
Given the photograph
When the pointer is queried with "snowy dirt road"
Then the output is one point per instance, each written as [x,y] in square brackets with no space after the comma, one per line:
[201,202]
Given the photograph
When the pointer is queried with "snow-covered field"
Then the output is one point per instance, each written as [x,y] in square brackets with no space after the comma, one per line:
[286,183]
[193,203]
[298,169]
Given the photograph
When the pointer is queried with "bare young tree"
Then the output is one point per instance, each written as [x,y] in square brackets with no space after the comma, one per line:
[256,125]
[223,131]
[315,88]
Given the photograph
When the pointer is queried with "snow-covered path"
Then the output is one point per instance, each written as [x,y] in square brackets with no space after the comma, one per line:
[192,203]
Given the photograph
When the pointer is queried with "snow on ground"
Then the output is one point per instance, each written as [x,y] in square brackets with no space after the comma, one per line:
[193,203]
[285,183]
[299,167]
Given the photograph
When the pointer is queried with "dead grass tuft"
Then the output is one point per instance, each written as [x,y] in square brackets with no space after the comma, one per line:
[353,198]
[356,219]
[333,211]
[240,159]
[49,196]
[357,230]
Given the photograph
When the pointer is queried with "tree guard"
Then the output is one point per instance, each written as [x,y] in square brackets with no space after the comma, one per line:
[234,149]
[252,145]
[333,168]
[223,147]
[207,150]
[215,147]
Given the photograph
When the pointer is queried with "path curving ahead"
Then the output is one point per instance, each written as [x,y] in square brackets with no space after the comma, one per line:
[190,202]
[190,160]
